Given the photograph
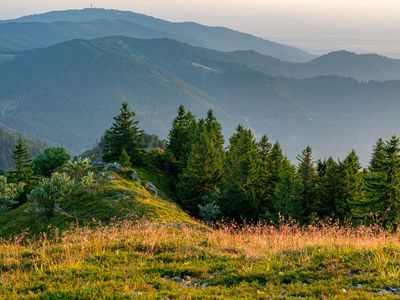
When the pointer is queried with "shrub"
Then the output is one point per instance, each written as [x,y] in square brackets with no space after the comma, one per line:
[50,190]
[209,212]
[49,160]
[9,192]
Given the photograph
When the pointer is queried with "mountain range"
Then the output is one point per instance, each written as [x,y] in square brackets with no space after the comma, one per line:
[69,92]
[55,27]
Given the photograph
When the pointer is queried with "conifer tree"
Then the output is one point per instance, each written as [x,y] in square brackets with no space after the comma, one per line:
[241,174]
[267,186]
[287,197]
[328,188]
[125,159]
[124,133]
[383,183]
[308,178]
[23,172]
[180,140]
[352,184]
[203,169]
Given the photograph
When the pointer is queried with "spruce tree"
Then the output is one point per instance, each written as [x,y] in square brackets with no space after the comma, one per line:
[241,174]
[287,197]
[23,172]
[267,186]
[308,178]
[125,159]
[328,188]
[203,169]
[352,180]
[383,184]
[180,141]
[124,133]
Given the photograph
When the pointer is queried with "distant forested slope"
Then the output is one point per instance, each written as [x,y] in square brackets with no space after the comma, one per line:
[68,93]
[8,140]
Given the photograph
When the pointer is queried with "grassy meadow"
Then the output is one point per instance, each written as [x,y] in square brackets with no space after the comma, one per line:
[146,260]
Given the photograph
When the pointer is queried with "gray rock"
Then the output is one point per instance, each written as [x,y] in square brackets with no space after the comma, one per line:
[112,166]
[151,188]
[135,176]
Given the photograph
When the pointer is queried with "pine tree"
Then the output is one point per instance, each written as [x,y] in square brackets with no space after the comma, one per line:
[23,172]
[308,178]
[287,198]
[180,141]
[383,184]
[124,133]
[125,159]
[267,186]
[352,184]
[241,174]
[328,188]
[203,169]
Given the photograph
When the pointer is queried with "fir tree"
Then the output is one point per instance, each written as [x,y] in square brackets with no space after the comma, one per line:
[267,186]
[202,171]
[180,141]
[241,174]
[124,133]
[352,184]
[125,159]
[23,172]
[308,178]
[287,196]
[328,188]
[383,184]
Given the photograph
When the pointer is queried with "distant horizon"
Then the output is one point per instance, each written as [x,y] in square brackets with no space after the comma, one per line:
[318,27]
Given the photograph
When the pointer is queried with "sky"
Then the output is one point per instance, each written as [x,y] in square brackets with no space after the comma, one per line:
[318,26]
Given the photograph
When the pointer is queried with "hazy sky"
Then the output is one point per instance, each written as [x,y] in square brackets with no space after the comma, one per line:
[314,25]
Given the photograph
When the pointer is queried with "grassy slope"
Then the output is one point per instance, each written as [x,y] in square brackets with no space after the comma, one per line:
[148,261]
[161,253]
[117,199]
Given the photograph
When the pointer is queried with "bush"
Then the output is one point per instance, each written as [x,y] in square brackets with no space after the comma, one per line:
[50,190]
[209,212]
[9,193]
[77,168]
[49,160]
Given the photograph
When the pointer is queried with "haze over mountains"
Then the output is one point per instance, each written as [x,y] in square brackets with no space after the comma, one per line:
[55,27]
[68,92]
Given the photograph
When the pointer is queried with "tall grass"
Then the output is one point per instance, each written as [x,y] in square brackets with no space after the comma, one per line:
[263,251]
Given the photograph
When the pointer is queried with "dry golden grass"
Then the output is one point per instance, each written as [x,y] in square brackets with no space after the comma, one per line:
[244,256]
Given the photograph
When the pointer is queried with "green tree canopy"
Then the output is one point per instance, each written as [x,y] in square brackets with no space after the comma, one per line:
[123,134]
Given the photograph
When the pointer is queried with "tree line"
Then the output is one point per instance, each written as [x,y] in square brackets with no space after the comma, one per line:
[253,180]
[245,179]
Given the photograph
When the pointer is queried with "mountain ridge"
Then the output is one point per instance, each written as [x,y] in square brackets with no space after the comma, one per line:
[68,93]
[217,37]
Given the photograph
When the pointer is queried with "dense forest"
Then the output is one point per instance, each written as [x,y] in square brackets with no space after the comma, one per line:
[244,180]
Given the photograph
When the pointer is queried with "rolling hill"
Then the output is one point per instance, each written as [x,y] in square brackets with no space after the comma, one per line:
[365,67]
[55,27]
[68,93]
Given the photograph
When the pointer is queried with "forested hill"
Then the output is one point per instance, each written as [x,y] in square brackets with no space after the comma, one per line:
[68,93]
[59,26]
[8,140]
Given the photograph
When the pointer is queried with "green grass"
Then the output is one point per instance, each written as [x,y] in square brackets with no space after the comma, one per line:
[119,199]
[148,248]
[149,261]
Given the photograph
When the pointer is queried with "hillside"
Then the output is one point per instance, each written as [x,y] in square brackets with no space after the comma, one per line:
[114,199]
[341,63]
[8,140]
[68,93]
[150,261]
[55,27]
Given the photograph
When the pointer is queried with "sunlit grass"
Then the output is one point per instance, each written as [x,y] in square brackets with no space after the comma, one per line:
[141,260]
